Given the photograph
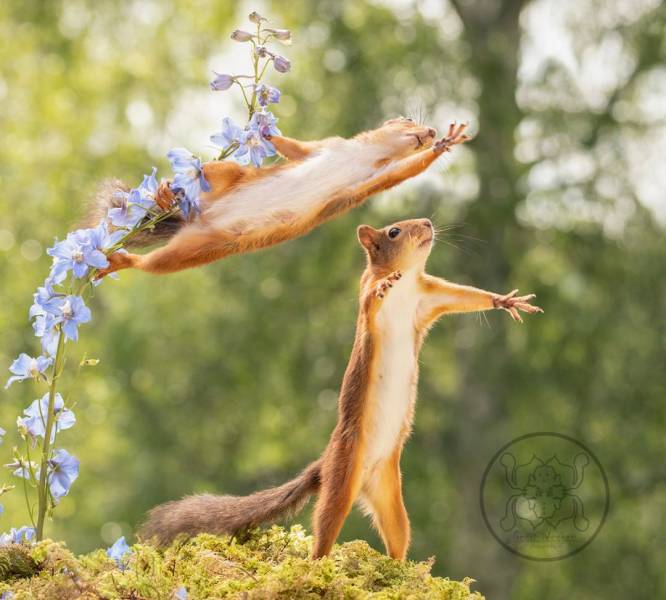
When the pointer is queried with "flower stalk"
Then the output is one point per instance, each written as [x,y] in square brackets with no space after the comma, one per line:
[81,260]
[42,489]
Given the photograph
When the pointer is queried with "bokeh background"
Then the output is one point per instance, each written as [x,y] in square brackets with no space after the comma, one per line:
[224,378]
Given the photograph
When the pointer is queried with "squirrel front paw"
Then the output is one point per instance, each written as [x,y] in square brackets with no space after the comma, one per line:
[454,136]
[383,285]
[512,304]
[164,197]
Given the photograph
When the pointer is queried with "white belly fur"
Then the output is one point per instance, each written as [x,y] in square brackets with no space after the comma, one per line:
[392,391]
[299,189]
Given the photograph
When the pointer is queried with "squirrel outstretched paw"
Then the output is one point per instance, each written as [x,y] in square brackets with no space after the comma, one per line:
[383,285]
[453,136]
[512,304]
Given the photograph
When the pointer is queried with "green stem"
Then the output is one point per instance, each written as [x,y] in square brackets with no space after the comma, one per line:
[42,491]
[228,151]
[263,70]
[255,66]
[247,102]
[25,490]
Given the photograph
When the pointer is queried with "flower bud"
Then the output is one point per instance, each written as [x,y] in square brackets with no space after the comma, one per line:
[241,36]
[281,64]
[262,52]
[283,35]
[23,432]
[255,17]
[221,82]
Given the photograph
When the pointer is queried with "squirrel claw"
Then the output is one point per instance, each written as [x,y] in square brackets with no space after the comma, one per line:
[513,304]
[383,285]
[453,136]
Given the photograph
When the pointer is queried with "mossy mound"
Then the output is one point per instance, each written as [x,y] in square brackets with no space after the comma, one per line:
[264,564]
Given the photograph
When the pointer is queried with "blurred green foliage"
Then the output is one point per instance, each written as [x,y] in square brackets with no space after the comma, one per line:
[224,378]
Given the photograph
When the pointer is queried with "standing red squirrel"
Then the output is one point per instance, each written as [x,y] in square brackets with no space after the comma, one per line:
[248,208]
[399,303]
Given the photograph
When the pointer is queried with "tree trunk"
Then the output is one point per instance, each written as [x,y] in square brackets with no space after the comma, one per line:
[492,31]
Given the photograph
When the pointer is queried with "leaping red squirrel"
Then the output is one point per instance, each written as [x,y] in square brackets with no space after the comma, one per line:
[249,208]
[399,303]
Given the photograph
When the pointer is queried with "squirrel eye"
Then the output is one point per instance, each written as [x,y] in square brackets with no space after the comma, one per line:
[394,232]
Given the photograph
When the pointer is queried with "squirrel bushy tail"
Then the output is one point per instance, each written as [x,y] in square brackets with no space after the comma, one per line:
[106,197]
[207,513]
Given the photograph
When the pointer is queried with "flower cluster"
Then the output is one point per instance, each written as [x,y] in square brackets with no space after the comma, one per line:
[251,144]
[58,310]
[59,304]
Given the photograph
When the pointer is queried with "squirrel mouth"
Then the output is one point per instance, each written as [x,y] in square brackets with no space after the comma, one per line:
[425,242]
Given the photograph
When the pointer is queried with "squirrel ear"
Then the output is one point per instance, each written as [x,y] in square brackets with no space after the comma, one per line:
[366,235]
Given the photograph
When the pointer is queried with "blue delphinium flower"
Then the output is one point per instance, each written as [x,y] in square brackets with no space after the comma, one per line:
[179,594]
[229,134]
[2,434]
[251,148]
[266,94]
[148,190]
[77,252]
[102,239]
[265,123]
[189,178]
[127,214]
[221,82]
[73,313]
[253,145]
[36,414]
[26,367]
[63,471]
[23,534]
[134,205]
[44,327]
[119,552]
[45,300]
[9,595]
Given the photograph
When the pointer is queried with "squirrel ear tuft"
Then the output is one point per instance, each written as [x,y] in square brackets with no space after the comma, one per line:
[366,236]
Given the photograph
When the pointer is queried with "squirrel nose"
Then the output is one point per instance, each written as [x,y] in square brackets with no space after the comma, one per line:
[427,223]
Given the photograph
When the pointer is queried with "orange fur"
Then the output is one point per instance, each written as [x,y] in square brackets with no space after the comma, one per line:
[350,469]
[402,149]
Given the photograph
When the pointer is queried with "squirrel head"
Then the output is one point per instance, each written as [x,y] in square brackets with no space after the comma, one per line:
[400,137]
[400,246]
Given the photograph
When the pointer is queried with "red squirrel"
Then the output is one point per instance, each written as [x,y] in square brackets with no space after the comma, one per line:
[399,303]
[248,208]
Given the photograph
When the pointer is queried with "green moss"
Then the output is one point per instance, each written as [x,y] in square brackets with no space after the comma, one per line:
[270,563]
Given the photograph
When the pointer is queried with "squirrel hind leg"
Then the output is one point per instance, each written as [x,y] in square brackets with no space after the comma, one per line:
[382,498]
[119,261]
[191,247]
